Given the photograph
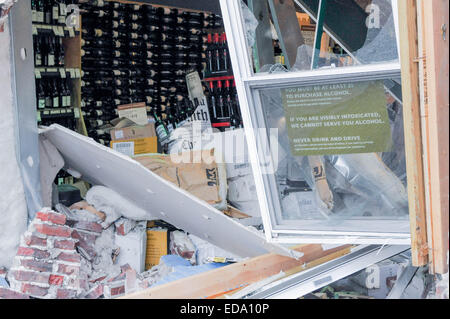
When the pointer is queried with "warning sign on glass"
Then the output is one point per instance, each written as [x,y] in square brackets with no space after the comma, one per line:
[337,118]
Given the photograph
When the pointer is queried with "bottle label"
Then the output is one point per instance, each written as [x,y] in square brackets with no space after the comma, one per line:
[38,59]
[41,104]
[162,134]
[55,12]
[34,16]
[63,9]
[51,60]
[68,101]
[98,32]
[101,13]
[40,16]
[56,101]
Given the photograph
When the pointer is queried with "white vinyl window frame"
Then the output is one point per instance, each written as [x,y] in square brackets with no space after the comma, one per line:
[247,84]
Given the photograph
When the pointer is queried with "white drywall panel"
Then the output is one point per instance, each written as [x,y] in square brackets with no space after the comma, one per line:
[103,166]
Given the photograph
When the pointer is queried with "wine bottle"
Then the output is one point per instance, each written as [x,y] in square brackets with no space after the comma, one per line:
[40,94]
[37,51]
[55,13]
[33,11]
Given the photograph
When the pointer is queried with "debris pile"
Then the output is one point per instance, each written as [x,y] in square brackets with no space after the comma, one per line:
[79,252]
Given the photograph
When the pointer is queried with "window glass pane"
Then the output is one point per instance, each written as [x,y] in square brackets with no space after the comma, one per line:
[338,155]
[282,33]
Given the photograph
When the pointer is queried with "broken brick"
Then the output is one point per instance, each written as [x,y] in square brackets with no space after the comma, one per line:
[33,252]
[6,293]
[56,280]
[35,241]
[22,275]
[34,290]
[69,257]
[95,292]
[117,291]
[52,217]
[90,226]
[87,237]
[50,230]
[98,279]
[66,293]
[124,226]
[68,269]
[64,244]
[86,249]
[36,265]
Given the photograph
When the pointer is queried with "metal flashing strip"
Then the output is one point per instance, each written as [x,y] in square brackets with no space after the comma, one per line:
[101,165]
[23,86]
[302,283]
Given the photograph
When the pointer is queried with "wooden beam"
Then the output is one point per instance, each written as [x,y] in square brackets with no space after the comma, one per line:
[226,279]
[435,16]
[407,11]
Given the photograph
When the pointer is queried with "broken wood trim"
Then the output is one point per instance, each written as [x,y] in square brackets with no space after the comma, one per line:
[229,278]
[407,11]
[436,48]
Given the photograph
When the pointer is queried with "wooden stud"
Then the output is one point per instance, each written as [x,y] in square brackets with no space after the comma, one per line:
[435,17]
[229,278]
[407,11]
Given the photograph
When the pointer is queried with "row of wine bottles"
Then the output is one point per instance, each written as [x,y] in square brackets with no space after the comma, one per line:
[53,93]
[48,51]
[224,105]
[141,54]
[217,56]
[52,12]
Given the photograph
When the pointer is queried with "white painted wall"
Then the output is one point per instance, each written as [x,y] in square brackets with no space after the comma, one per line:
[13,209]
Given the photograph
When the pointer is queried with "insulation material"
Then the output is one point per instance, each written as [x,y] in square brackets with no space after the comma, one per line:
[13,209]
[114,205]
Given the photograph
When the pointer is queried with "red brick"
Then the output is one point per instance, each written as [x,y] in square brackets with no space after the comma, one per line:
[87,237]
[66,293]
[34,290]
[83,225]
[34,276]
[77,283]
[95,292]
[68,269]
[52,217]
[36,265]
[98,279]
[84,246]
[116,291]
[64,244]
[6,293]
[33,252]
[69,257]
[35,241]
[56,280]
[53,230]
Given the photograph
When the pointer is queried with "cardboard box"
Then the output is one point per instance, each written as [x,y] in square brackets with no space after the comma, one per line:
[148,145]
[131,139]
[157,246]
[133,132]
[136,112]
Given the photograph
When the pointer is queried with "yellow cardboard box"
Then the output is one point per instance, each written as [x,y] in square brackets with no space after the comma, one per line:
[132,147]
[157,246]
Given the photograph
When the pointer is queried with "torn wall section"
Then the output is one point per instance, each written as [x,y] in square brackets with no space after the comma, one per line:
[13,209]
